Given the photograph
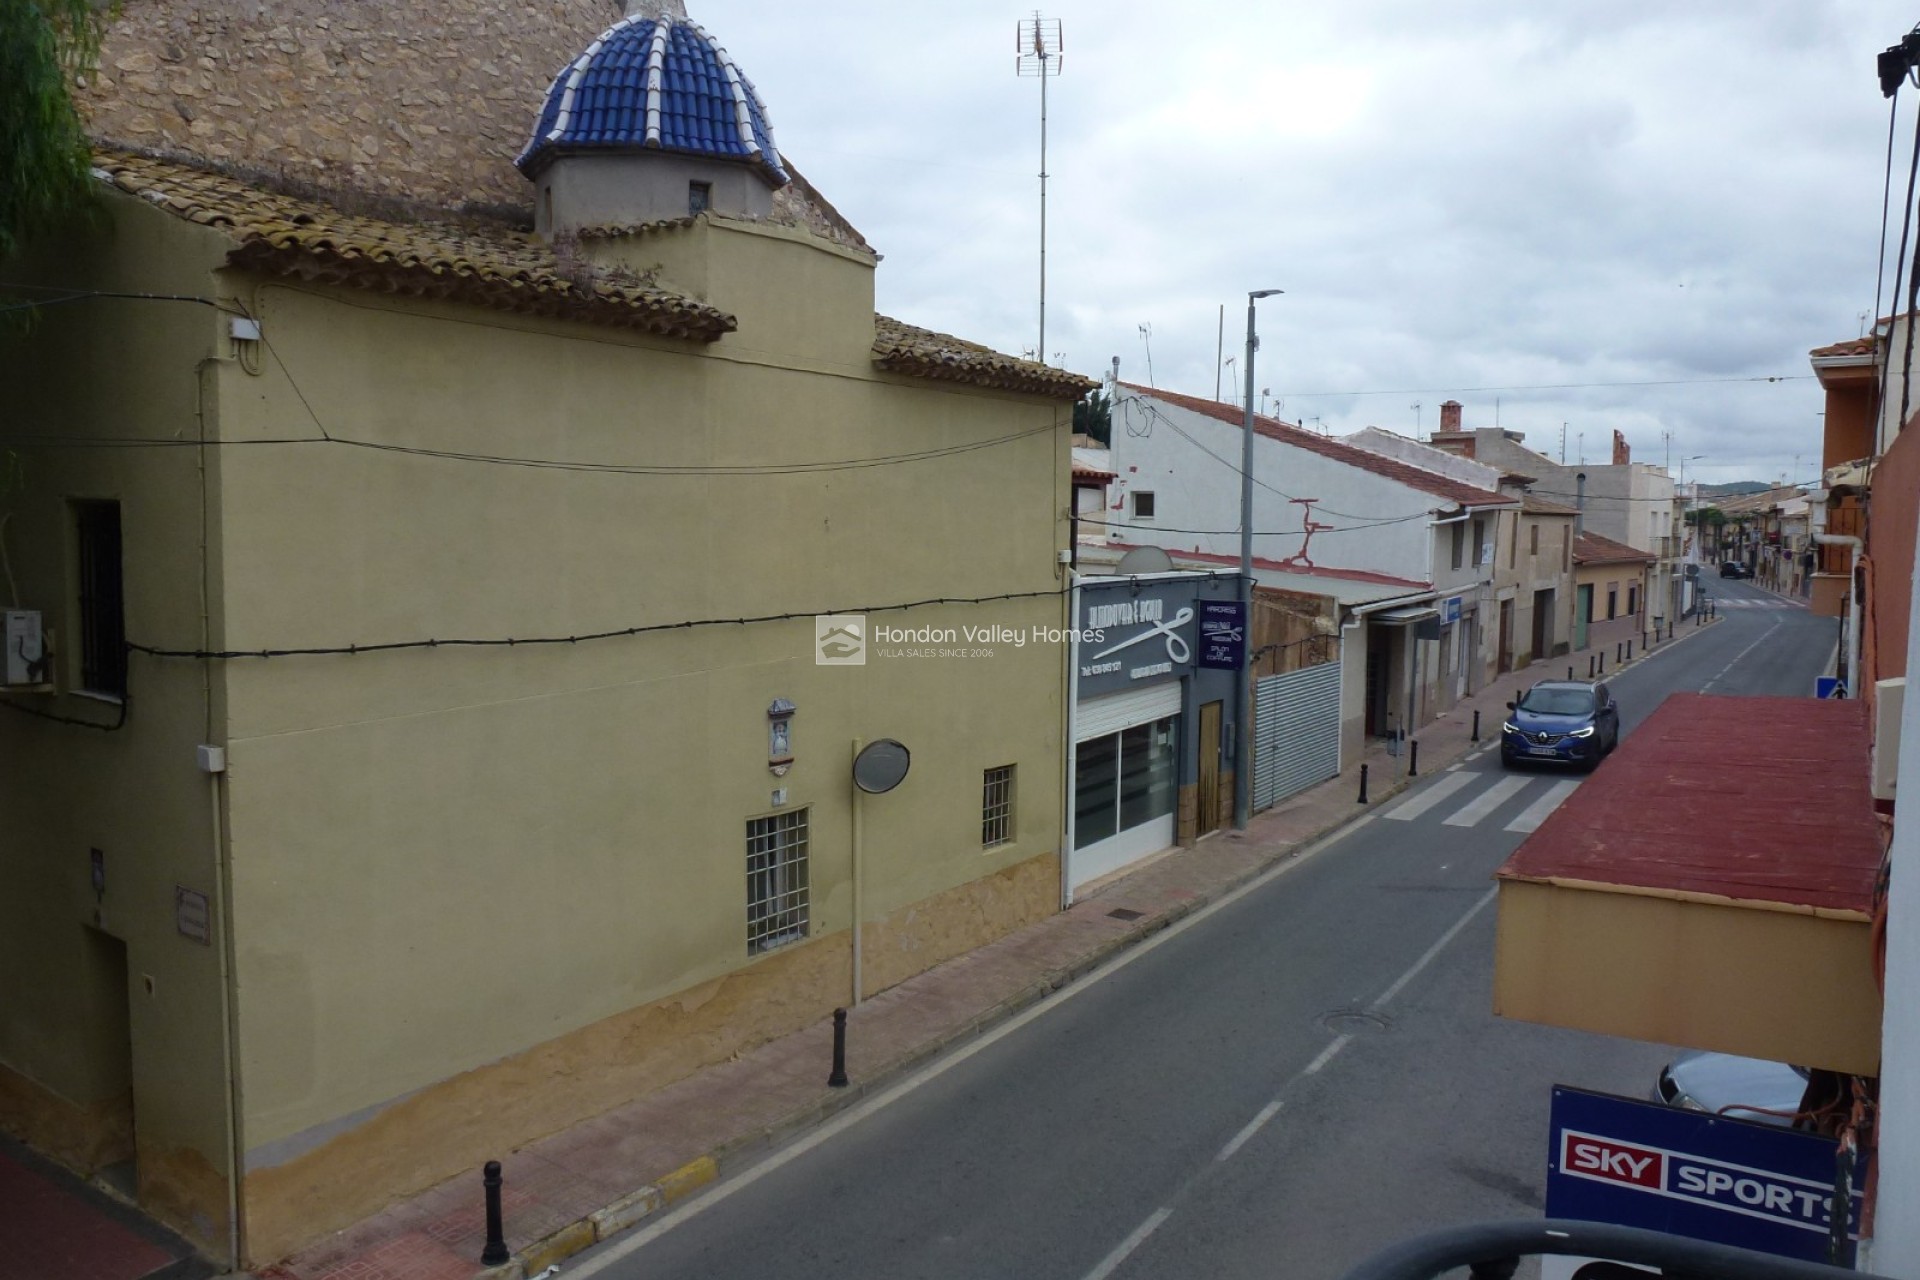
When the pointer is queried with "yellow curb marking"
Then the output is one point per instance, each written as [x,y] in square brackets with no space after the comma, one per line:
[563,1243]
[688,1178]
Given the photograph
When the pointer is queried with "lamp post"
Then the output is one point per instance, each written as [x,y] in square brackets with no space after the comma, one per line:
[1243,701]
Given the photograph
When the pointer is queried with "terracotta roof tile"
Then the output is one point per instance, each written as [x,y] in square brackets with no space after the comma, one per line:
[1591,548]
[489,265]
[1281,566]
[904,348]
[1339,451]
[1851,347]
[1541,507]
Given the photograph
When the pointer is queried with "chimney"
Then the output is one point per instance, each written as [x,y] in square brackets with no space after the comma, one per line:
[1621,453]
[1450,416]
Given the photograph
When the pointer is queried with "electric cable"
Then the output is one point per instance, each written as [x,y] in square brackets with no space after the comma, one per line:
[391,646]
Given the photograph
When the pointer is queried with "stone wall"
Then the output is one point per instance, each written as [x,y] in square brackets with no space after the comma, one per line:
[421,103]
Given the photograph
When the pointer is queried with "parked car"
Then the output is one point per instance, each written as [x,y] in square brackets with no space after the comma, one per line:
[1561,722]
[1734,569]
[1742,1088]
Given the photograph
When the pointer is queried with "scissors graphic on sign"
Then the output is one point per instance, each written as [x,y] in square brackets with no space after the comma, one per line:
[1177,647]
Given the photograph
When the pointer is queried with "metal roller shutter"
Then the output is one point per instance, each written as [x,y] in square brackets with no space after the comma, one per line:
[1116,711]
[1296,734]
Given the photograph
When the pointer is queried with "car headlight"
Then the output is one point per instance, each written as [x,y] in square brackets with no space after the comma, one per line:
[1509,727]
[1582,733]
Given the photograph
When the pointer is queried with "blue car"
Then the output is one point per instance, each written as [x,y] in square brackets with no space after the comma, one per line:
[1566,722]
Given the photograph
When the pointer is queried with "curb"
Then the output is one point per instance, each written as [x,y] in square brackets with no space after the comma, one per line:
[537,1259]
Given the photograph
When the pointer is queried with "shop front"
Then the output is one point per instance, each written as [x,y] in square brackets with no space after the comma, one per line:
[1153,726]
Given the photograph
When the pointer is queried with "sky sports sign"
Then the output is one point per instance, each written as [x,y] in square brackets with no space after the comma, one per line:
[1688,1173]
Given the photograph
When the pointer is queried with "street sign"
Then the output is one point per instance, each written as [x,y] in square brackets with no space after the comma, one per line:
[1450,611]
[1223,634]
[1693,1174]
[1829,687]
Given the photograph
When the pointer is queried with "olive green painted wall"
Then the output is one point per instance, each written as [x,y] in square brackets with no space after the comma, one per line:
[444,857]
[114,368]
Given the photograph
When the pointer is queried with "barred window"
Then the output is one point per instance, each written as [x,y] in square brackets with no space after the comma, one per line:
[996,806]
[776,881]
[103,643]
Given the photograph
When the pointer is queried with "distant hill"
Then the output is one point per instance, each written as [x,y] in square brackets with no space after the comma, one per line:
[1734,490]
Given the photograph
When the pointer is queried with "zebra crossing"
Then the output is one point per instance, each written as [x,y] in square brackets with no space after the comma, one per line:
[1753,602]
[1542,792]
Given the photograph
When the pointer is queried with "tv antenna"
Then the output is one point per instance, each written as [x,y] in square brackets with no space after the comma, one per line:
[1415,406]
[1146,340]
[1037,54]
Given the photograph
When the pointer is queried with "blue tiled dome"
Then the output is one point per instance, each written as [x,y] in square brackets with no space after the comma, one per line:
[655,82]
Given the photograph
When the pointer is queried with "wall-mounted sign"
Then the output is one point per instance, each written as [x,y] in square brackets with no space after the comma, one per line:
[1694,1174]
[191,916]
[1223,634]
[1451,611]
[1134,633]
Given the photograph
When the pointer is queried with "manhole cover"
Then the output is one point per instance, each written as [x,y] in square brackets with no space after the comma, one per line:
[1348,1022]
[1125,913]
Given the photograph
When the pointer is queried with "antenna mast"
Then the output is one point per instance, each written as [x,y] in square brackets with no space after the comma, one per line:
[1037,53]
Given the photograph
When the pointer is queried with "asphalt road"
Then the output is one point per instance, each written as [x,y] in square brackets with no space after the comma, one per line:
[1277,1089]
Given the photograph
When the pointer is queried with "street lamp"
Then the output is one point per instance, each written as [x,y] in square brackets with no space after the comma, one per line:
[1243,715]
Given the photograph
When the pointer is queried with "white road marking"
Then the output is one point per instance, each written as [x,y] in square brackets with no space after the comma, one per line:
[1453,768]
[629,1244]
[1536,813]
[1736,657]
[1325,1056]
[1111,1263]
[1253,1126]
[1432,796]
[1486,802]
[1400,983]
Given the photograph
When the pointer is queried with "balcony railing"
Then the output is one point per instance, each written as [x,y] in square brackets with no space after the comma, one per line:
[1492,1251]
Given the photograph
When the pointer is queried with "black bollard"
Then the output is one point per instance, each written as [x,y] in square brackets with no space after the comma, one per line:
[838,1079]
[495,1251]
[1629,651]
[1589,666]
[1619,648]
[1569,671]
[1603,662]
[1413,758]
[1363,783]
[1476,724]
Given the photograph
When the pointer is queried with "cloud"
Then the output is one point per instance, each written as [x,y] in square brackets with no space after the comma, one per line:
[1480,194]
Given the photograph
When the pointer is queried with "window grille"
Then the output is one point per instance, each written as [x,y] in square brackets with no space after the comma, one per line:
[103,641]
[996,806]
[776,881]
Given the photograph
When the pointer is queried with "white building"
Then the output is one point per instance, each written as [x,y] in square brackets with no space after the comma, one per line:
[1419,545]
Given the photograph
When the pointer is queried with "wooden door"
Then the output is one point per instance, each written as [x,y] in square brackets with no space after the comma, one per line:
[1208,799]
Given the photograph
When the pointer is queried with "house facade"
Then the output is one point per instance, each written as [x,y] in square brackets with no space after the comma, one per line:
[1629,502]
[458,637]
[1419,543]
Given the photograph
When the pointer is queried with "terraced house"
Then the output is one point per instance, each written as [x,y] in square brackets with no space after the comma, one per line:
[425,502]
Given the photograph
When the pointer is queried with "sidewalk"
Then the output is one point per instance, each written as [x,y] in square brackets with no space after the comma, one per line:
[586,1184]
[55,1225]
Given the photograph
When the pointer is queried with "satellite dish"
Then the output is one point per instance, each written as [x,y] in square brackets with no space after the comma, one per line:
[881,766]
[1144,560]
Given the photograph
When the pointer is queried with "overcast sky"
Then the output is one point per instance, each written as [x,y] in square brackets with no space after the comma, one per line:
[1477,194]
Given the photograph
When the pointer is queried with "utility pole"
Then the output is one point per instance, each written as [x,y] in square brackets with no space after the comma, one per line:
[1243,685]
[1037,53]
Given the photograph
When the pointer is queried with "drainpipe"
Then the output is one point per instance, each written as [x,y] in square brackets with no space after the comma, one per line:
[1580,504]
[222,868]
[1072,647]
[1853,604]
